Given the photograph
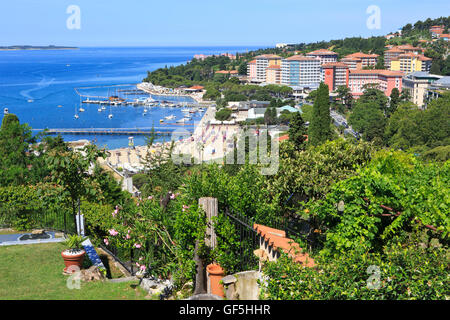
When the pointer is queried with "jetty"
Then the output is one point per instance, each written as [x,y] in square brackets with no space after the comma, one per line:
[107,131]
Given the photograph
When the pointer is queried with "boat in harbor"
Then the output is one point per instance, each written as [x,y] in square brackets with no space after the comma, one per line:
[59,106]
[82,110]
[185,110]
[161,120]
[110,116]
[171,117]
[99,109]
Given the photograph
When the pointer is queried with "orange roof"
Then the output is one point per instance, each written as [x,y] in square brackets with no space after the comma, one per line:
[299,57]
[252,62]
[361,55]
[444,35]
[197,88]
[283,138]
[268,56]
[335,64]
[278,241]
[387,73]
[412,55]
[321,52]
[227,71]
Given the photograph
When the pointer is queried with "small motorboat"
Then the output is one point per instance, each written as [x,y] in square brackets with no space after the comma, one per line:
[5,111]
[82,110]
[76,116]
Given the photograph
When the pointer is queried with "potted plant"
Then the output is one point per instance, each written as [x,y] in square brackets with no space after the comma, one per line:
[74,255]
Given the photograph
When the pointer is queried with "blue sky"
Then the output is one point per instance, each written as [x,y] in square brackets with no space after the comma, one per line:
[203,22]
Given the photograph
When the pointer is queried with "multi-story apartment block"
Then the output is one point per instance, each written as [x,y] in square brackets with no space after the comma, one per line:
[263,62]
[325,56]
[385,80]
[417,84]
[409,62]
[273,74]
[335,74]
[394,52]
[301,71]
[251,70]
[360,60]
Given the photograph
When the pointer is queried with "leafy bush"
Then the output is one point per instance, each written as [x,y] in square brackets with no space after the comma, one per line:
[420,193]
[223,114]
[401,272]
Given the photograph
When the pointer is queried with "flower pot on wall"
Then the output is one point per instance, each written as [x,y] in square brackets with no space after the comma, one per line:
[73,258]
[215,274]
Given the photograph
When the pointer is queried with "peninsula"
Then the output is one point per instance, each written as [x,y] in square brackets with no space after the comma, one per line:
[20,47]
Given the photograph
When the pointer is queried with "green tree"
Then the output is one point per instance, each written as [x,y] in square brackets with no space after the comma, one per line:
[15,155]
[297,131]
[319,129]
[394,101]
[72,170]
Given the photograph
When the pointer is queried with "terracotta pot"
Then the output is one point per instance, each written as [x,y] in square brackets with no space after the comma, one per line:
[216,273]
[73,260]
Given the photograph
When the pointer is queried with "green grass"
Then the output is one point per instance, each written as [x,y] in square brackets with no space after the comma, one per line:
[34,272]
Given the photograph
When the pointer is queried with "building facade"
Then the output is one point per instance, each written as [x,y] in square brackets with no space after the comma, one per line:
[417,84]
[410,62]
[385,80]
[301,71]
[362,59]
[325,56]
[335,75]
[262,63]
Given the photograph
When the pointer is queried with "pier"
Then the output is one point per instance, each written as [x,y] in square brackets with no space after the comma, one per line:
[107,131]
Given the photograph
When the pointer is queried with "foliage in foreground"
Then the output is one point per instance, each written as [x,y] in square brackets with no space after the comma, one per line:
[401,272]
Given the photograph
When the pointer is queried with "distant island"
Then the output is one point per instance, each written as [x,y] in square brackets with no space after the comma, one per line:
[36,48]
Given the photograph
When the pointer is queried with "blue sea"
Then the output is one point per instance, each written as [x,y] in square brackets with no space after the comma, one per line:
[39,87]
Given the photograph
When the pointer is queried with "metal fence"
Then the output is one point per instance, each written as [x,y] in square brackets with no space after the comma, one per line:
[248,239]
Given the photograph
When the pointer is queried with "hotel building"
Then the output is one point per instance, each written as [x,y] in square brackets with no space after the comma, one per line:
[263,62]
[335,75]
[273,74]
[325,56]
[394,52]
[418,84]
[385,80]
[409,62]
[301,71]
[360,60]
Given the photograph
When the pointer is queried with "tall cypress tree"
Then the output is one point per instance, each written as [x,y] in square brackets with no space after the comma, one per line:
[320,127]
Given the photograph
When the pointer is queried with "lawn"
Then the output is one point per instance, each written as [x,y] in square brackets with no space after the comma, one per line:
[29,272]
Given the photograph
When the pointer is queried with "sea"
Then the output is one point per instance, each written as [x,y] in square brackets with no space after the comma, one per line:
[42,88]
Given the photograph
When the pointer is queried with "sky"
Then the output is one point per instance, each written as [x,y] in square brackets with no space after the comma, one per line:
[204,22]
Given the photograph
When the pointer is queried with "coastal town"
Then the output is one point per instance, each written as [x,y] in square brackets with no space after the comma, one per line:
[403,67]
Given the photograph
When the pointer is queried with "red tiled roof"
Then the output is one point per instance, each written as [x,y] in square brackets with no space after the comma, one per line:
[387,73]
[268,56]
[300,58]
[196,88]
[335,64]
[321,52]
[227,71]
[361,55]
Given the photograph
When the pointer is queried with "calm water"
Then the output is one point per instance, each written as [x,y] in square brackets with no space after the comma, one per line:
[49,79]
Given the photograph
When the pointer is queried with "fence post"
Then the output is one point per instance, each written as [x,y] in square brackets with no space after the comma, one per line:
[210,206]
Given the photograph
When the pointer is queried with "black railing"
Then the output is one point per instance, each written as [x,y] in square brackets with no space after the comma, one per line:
[248,240]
